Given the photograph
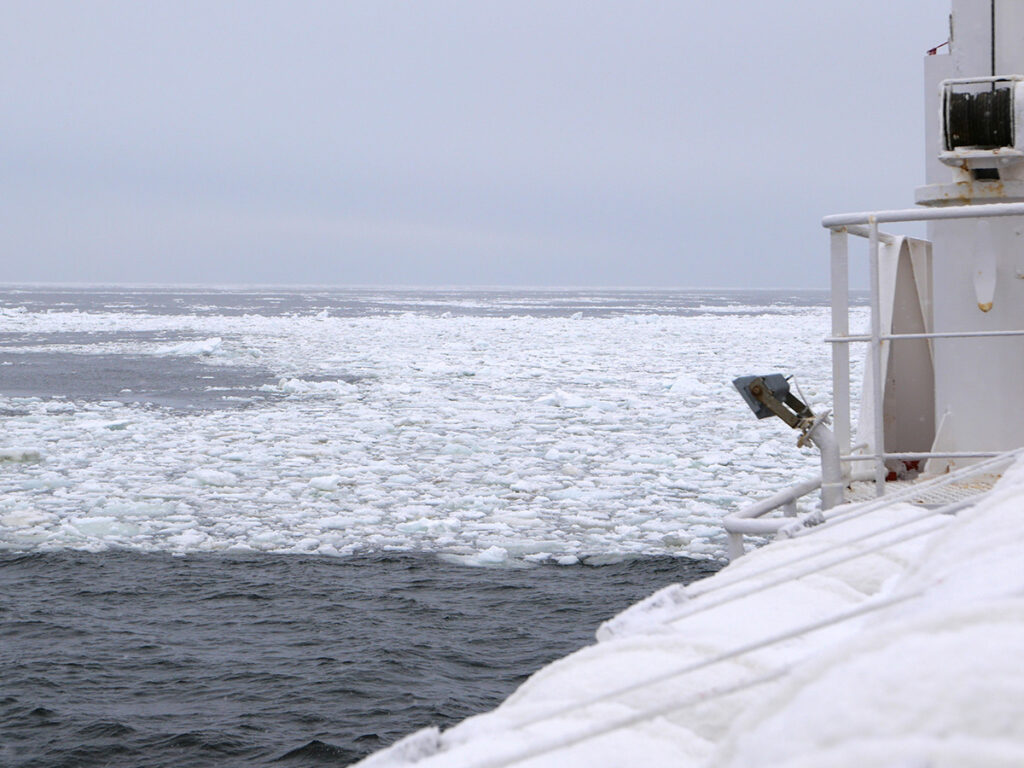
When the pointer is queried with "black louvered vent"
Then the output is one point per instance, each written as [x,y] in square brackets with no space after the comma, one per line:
[983,119]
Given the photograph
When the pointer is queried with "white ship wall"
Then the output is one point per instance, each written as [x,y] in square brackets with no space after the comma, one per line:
[978,405]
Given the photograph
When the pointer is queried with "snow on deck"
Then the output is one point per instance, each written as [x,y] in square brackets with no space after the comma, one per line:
[934,679]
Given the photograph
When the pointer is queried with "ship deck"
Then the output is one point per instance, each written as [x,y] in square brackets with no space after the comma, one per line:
[928,494]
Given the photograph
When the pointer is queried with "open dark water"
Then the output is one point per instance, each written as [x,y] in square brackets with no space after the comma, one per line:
[129,659]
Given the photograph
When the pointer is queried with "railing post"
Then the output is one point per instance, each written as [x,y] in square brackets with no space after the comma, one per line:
[876,358]
[840,329]
[734,548]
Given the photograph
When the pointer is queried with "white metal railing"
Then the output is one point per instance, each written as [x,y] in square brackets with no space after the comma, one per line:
[866,225]
[750,521]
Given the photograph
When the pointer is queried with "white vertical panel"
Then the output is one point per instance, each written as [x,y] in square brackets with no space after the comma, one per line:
[1009,37]
[936,69]
[972,34]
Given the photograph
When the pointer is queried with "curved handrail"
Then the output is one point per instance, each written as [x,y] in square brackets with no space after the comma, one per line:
[838,220]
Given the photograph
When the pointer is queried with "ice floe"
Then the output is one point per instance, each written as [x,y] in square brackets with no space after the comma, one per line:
[188,348]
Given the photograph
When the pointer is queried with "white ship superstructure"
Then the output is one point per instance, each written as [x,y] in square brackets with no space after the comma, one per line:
[945,347]
[885,628]
[975,157]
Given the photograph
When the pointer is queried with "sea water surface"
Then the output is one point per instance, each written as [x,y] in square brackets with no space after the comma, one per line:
[287,526]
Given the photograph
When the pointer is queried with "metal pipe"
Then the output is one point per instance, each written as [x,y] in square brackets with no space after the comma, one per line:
[840,328]
[925,455]
[734,548]
[876,358]
[849,220]
[862,231]
[845,339]
[747,520]
[777,499]
[975,80]
[832,482]
[740,523]
[744,521]
[857,511]
[756,526]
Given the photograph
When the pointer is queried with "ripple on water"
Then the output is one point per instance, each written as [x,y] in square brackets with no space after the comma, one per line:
[122,658]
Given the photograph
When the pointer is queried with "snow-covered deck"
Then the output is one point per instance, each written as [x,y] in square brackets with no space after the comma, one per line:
[858,644]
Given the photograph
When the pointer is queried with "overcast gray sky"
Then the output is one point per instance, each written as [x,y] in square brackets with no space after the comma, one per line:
[483,142]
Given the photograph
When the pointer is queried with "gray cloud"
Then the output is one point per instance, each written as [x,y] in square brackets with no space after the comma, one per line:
[441,142]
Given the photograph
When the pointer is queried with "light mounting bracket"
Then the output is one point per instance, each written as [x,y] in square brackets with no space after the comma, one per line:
[769,396]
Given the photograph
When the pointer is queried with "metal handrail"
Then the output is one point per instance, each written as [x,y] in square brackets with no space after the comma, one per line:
[988,210]
[865,224]
[919,455]
[939,335]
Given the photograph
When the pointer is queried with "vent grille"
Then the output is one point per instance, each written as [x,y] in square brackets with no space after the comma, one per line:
[982,119]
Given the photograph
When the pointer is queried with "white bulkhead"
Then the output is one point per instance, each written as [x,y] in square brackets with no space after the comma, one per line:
[975,156]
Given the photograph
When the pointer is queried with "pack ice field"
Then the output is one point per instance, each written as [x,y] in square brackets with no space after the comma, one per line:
[492,428]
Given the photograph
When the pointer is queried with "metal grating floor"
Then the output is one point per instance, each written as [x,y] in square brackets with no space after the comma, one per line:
[928,496]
